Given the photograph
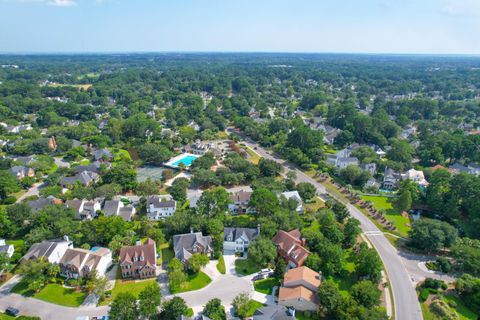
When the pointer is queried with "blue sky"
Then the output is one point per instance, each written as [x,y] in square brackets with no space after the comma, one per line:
[366,26]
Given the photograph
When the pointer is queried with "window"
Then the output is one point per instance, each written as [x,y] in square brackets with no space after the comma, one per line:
[141,258]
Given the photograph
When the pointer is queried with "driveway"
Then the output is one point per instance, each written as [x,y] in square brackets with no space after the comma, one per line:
[33,191]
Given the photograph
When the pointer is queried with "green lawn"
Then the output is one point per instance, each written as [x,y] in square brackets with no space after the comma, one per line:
[167,254]
[253,305]
[221,265]
[241,220]
[195,282]
[246,266]
[54,293]
[266,285]
[315,205]
[402,223]
[57,294]
[121,154]
[347,280]
[4,316]
[254,156]
[130,286]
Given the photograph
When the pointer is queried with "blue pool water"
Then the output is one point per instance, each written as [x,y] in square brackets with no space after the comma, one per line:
[93,249]
[186,160]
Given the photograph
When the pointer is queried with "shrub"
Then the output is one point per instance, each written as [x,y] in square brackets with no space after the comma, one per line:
[9,200]
[443,264]
[424,294]
[433,283]
[442,310]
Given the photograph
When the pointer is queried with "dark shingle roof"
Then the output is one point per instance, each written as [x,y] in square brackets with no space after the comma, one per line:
[236,233]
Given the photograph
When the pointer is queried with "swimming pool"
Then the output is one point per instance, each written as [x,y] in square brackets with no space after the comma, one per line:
[185,158]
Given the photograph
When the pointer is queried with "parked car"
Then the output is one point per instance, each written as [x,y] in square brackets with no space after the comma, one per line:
[266,270]
[11,311]
[260,276]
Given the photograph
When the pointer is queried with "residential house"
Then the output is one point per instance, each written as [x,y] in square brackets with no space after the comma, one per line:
[96,166]
[117,208]
[295,196]
[185,245]
[40,203]
[84,209]
[9,249]
[300,288]
[102,154]
[274,312]
[239,202]
[474,168]
[26,161]
[139,261]
[416,176]
[160,207]
[369,167]
[342,159]
[21,172]
[198,147]
[290,246]
[391,179]
[238,239]
[85,178]
[50,250]
[79,263]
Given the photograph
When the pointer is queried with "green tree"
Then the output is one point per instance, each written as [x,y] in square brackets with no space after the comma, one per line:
[432,235]
[264,201]
[214,310]
[153,153]
[262,251]
[306,190]
[96,284]
[403,202]
[351,231]
[269,168]
[147,188]
[329,298]
[124,175]
[213,203]
[8,184]
[124,307]
[178,189]
[149,300]
[172,309]
[366,293]
[198,261]
[368,263]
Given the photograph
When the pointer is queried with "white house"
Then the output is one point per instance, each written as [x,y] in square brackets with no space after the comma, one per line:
[296,196]
[6,248]
[160,208]
[84,209]
[239,202]
[416,176]
[238,239]
[51,250]
[117,208]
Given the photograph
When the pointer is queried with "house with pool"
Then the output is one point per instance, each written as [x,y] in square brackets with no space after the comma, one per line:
[185,158]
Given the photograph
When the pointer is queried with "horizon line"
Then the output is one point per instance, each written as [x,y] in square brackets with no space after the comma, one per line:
[26,53]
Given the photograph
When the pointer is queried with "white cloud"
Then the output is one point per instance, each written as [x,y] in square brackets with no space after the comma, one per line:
[62,3]
[461,7]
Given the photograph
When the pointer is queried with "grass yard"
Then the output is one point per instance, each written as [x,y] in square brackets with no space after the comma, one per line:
[54,293]
[78,86]
[254,156]
[167,254]
[131,286]
[241,220]
[346,282]
[304,315]
[315,205]
[4,316]
[246,266]
[383,203]
[194,282]
[121,154]
[266,285]
[462,310]
[253,305]
[57,294]
[221,265]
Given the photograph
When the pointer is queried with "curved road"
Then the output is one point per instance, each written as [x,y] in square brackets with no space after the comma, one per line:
[404,295]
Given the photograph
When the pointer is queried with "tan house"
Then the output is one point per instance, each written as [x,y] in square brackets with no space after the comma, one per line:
[139,261]
[299,290]
[290,246]
[78,263]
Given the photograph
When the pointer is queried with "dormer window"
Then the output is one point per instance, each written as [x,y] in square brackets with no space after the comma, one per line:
[141,258]
[229,238]
[134,259]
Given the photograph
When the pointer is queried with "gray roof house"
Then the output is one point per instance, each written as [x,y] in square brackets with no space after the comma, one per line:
[85,178]
[238,239]
[51,250]
[21,172]
[102,154]
[95,166]
[40,203]
[185,245]
[295,196]
[84,209]
[274,312]
[9,249]
[159,207]
[117,208]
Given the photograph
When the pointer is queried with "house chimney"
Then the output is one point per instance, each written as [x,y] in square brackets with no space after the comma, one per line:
[291,311]
[191,230]
[138,243]
[320,275]
[65,237]
[304,241]
[258,229]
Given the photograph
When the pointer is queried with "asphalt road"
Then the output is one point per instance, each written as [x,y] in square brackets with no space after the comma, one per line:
[404,295]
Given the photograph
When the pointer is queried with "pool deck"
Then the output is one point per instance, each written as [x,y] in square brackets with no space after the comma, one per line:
[170,163]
